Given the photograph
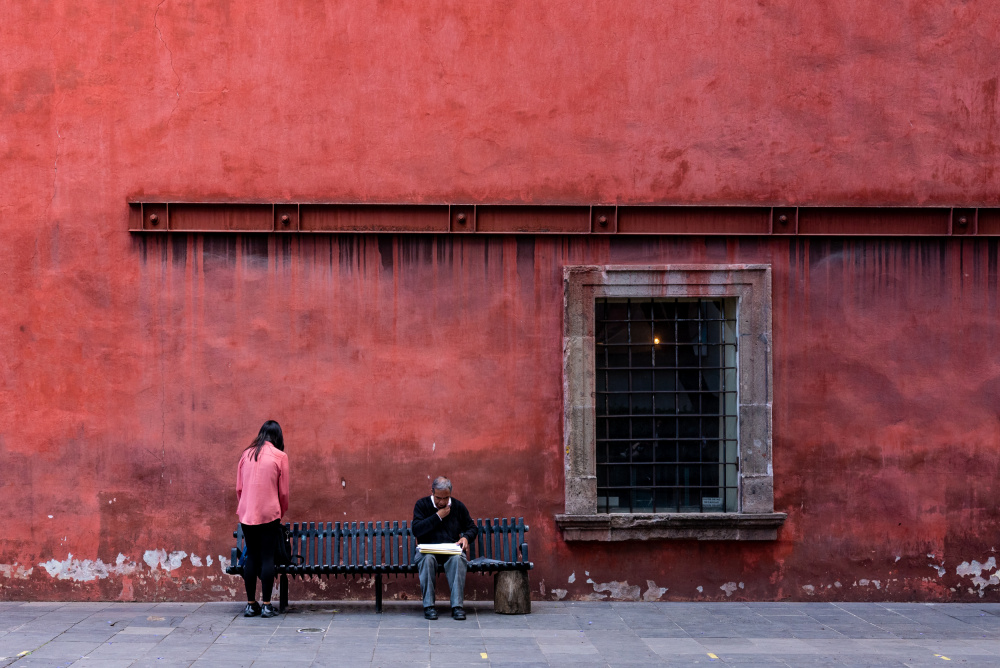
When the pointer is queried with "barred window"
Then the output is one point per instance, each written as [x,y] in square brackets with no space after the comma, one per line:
[666,405]
[667,390]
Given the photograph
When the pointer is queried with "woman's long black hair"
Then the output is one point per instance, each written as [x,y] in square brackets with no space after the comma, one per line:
[270,432]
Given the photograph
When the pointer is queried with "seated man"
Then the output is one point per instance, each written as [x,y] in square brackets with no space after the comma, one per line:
[439,518]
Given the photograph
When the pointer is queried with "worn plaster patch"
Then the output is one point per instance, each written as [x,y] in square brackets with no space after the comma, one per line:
[160,559]
[621,591]
[729,588]
[572,577]
[975,570]
[560,594]
[809,589]
[16,571]
[196,560]
[87,570]
[653,593]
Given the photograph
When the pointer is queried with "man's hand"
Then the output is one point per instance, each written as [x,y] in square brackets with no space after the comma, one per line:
[443,512]
[464,544]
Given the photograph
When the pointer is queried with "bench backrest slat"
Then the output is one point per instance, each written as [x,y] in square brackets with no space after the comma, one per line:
[327,543]
[353,537]
[369,544]
[479,540]
[505,538]
[497,540]
[311,543]
[378,544]
[520,538]
[387,541]
[336,544]
[395,544]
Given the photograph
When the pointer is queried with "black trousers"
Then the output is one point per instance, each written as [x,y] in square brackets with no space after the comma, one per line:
[261,544]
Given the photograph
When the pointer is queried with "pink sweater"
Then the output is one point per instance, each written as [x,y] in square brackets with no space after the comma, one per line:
[262,486]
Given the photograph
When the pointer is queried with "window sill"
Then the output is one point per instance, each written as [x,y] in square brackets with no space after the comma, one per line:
[674,526]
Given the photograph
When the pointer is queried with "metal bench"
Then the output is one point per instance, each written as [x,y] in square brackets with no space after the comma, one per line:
[384,548]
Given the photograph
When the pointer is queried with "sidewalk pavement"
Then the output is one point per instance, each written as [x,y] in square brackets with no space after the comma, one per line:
[167,635]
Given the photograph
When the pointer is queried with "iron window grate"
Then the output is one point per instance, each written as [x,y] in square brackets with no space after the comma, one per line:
[666,405]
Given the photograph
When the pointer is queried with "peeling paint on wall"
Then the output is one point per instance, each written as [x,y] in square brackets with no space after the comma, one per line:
[16,571]
[653,593]
[160,559]
[621,591]
[975,570]
[809,589]
[730,587]
[87,570]
[559,594]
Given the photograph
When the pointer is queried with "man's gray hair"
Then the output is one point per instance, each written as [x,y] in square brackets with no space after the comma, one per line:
[441,483]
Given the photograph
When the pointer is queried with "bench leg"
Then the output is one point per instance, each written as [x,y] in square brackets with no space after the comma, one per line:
[511,593]
[378,592]
[282,592]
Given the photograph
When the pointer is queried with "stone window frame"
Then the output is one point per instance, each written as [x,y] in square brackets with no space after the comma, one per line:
[750,284]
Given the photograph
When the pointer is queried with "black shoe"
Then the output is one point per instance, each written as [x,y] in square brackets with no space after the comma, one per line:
[252,609]
[458,613]
[430,613]
[267,611]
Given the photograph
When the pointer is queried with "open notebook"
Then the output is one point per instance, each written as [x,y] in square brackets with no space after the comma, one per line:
[439,548]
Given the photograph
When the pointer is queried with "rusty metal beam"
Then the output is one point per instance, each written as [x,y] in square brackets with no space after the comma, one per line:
[320,218]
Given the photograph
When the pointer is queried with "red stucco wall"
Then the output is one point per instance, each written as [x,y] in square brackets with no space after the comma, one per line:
[392,359]
[133,370]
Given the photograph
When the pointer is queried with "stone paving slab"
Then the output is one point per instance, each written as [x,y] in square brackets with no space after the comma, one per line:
[577,635]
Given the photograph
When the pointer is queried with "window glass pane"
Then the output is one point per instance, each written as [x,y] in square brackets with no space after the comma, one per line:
[617,381]
[643,476]
[642,381]
[618,428]
[688,427]
[618,357]
[617,404]
[666,451]
[642,404]
[664,381]
[642,501]
[640,310]
[666,476]
[641,332]
[619,476]
[617,309]
[665,427]
[642,427]
[642,451]
[666,500]
[688,451]
[665,403]
[618,451]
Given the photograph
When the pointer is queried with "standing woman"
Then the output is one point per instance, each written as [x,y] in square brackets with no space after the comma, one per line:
[262,491]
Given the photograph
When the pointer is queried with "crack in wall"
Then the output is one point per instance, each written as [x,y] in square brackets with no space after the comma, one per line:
[170,55]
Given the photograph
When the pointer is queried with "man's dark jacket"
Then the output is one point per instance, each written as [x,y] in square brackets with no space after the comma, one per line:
[429,528]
